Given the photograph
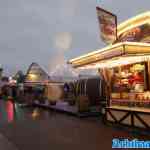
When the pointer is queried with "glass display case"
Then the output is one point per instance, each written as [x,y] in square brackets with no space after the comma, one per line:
[129,86]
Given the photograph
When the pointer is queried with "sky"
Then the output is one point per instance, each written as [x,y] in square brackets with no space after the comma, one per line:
[50,32]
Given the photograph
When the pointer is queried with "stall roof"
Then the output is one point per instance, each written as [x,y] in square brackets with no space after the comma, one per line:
[117,54]
[120,51]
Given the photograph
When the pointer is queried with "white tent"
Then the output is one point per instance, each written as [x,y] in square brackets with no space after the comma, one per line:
[36,74]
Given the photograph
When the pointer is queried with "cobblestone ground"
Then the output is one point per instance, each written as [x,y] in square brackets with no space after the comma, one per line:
[39,129]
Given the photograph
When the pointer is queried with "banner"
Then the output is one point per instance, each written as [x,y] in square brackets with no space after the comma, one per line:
[137,34]
[107,25]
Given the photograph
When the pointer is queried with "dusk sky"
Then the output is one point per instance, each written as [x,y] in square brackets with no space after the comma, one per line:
[50,32]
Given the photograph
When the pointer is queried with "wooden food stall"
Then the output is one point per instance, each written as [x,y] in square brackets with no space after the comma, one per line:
[125,66]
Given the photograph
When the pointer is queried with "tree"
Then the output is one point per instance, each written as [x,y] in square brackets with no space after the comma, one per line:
[19,76]
[1,72]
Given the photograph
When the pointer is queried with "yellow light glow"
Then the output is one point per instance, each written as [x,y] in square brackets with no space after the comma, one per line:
[134,22]
[32,76]
[95,52]
[112,51]
[117,62]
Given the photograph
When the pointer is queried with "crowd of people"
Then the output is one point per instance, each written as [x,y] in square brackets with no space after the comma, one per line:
[21,94]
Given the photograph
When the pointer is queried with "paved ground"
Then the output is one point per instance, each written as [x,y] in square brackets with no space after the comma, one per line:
[5,144]
[38,129]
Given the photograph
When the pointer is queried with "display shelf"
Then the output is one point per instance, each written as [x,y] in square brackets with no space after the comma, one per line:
[137,109]
[131,103]
[131,100]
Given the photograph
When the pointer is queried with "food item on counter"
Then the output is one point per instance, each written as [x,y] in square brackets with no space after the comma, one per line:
[124,95]
[124,75]
[132,96]
[115,95]
[147,95]
[124,81]
[140,96]
[137,67]
[139,87]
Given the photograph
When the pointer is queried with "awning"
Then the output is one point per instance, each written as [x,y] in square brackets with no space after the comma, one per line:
[113,55]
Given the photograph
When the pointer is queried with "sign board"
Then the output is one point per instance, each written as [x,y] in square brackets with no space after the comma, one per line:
[107,25]
[137,34]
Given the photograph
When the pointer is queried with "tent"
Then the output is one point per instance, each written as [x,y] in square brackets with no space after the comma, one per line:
[35,74]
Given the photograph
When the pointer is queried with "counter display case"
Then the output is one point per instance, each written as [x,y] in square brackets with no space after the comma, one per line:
[129,86]
[129,95]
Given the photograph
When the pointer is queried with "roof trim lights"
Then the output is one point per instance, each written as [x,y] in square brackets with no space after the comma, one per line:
[81,58]
[117,62]
[133,22]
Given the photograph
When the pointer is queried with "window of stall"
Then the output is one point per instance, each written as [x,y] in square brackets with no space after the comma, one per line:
[129,85]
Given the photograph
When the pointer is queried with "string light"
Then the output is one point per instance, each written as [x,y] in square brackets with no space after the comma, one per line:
[117,62]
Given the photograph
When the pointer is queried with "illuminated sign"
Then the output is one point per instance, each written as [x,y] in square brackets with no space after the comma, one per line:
[138,34]
[107,25]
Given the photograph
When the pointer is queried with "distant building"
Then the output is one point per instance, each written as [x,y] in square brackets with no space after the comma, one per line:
[35,74]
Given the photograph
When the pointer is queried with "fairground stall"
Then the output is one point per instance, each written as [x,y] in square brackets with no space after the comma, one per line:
[35,83]
[84,95]
[80,97]
[125,67]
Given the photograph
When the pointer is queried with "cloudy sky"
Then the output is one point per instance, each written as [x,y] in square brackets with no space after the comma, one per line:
[52,31]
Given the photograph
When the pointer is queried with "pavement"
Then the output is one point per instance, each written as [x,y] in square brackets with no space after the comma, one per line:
[40,129]
[5,144]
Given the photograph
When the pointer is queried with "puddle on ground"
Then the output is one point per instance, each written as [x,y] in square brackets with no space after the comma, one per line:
[10,112]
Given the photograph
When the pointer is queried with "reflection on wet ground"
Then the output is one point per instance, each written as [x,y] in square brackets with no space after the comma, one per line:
[40,129]
[10,112]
